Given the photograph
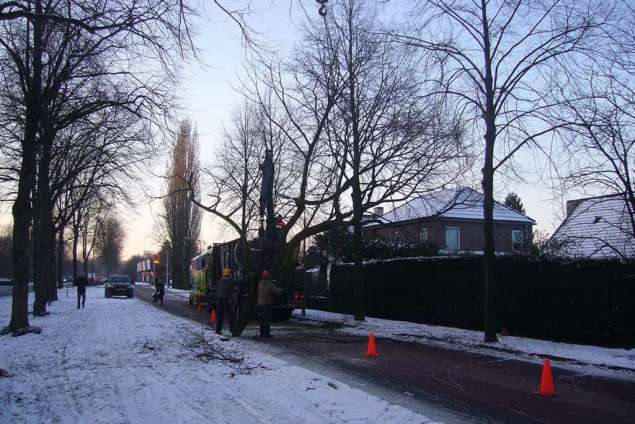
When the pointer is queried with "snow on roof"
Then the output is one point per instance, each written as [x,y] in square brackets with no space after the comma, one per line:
[463,203]
[597,227]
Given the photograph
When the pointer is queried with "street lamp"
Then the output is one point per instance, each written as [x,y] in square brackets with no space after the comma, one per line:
[155,261]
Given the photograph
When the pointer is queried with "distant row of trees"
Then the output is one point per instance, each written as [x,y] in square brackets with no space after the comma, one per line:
[104,236]
[85,85]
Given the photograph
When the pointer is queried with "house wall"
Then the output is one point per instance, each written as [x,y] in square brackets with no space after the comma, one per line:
[470,233]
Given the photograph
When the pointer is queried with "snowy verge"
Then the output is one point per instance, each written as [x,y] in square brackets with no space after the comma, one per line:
[124,361]
[170,292]
[620,360]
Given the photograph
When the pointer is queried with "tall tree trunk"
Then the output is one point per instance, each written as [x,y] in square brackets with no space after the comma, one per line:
[74,253]
[45,251]
[60,259]
[22,212]
[359,284]
[489,287]
[52,265]
[35,243]
[85,255]
[85,266]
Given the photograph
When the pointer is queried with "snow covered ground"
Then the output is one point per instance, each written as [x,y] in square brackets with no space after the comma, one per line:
[124,361]
[619,362]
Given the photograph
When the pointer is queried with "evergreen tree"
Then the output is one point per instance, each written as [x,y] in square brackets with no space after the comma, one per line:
[513,201]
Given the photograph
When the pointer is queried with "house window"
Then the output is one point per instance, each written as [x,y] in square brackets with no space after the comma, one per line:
[423,235]
[517,240]
[452,239]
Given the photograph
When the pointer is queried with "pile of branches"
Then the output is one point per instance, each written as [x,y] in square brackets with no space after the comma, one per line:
[208,349]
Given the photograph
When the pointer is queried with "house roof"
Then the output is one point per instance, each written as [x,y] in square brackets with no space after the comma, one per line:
[463,203]
[597,227]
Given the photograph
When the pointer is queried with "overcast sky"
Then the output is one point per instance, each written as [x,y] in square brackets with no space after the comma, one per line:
[209,94]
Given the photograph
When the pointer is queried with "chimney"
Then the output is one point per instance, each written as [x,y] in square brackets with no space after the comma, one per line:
[571,205]
[378,211]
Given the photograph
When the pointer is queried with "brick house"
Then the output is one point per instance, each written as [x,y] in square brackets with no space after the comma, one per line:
[451,219]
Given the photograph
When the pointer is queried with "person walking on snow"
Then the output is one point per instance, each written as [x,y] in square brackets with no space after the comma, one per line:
[227,288]
[81,282]
[267,294]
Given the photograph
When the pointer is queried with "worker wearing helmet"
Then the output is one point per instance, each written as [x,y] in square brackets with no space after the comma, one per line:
[267,294]
[227,288]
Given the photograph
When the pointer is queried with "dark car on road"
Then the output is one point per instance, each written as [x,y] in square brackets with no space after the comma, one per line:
[118,285]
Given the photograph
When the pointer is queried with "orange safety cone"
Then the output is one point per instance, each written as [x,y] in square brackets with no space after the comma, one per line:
[546,381]
[212,316]
[372,352]
[199,308]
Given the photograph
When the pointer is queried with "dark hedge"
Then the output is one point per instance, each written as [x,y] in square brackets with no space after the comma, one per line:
[589,302]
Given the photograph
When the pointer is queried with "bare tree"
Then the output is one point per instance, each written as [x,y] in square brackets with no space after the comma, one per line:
[305,123]
[89,229]
[182,218]
[497,58]
[110,241]
[56,49]
[388,144]
[597,107]
[292,102]
[233,180]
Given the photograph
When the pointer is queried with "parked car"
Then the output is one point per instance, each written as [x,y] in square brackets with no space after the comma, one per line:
[118,285]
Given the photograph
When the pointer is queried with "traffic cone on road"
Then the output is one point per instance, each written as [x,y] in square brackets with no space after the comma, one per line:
[212,316]
[372,352]
[546,381]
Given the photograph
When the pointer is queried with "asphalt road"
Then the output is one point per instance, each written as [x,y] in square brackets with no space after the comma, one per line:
[7,290]
[448,385]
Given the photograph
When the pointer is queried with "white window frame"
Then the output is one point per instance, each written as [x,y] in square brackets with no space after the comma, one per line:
[521,243]
[458,239]
[422,231]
